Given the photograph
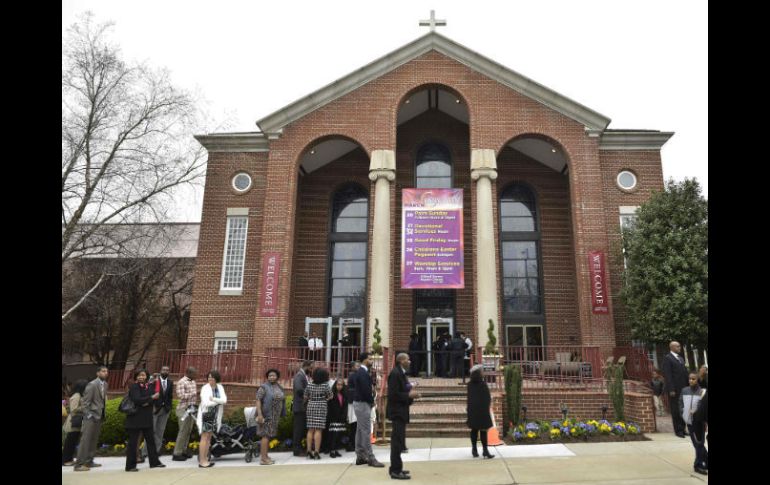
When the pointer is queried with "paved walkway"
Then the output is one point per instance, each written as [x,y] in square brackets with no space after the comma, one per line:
[667,460]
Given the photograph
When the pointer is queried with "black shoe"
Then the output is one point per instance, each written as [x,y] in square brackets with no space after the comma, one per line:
[702,471]
[179,458]
[375,463]
[680,435]
[361,461]
[310,455]
[159,465]
[405,450]
[206,466]
[188,455]
[400,476]
[487,455]
[475,453]
[132,470]
[317,456]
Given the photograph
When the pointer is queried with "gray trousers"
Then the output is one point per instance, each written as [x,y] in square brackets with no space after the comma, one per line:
[364,430]
[159,421]
[89,435]
[185,428]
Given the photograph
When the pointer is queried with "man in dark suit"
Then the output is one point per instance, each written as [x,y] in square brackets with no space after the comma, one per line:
[162,408]
[400,397]
[457,352]
[363,401]
[675,373]
[298,386]
[93,402]
[415,355]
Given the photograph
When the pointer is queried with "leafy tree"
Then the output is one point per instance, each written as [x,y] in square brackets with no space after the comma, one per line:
[665,287]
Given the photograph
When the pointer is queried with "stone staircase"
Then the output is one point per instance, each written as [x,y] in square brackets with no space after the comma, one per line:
[440,412]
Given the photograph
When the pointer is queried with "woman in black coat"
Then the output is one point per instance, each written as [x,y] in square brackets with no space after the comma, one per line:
[479,401]
[337,416]
[141,421]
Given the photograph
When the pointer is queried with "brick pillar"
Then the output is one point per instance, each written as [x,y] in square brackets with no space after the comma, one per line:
[277,237]
[590,234]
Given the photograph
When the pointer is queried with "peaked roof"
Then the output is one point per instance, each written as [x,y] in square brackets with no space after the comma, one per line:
[275,122]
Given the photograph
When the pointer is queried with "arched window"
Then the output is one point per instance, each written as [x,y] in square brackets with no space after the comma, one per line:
[433,167]
[348,240]
[520,244]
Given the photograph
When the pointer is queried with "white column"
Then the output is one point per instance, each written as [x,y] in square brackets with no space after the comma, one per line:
[382,171]
[484,171]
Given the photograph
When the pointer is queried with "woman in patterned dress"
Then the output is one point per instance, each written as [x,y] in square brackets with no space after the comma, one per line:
[338,416]
[271,407]
[317,393]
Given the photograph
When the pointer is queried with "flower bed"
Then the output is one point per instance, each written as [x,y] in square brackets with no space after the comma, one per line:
[573,430]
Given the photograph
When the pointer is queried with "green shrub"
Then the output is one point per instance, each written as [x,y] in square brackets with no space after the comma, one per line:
[114,427]
[491,347]
[513,384]
[616,392]
[286,424]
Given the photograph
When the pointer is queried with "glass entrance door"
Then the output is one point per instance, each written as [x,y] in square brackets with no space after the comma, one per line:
[438,305]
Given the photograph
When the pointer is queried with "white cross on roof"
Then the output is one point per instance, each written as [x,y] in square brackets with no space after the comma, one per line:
[432,22]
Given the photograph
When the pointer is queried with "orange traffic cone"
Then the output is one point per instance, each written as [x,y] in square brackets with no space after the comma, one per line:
[493,438]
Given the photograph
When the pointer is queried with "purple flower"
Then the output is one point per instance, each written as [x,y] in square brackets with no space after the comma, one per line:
[565,430]
[554,424]
[517,435]
[105,445]
[532,427]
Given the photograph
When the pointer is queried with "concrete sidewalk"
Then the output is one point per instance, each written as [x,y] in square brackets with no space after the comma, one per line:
[665,460]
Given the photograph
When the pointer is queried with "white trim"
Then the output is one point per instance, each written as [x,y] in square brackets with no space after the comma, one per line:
[634,140]
[218,340]
[433,41]
[226,334]
[241,191]
[224,256]
[622,172]
[235,142]
[230,292]
[237,211]
[628,210]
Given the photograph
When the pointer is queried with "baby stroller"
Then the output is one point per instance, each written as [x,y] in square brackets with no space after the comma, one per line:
[250,438]
[229,440]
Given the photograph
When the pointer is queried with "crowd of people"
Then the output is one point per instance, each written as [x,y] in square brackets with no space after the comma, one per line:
[325,410]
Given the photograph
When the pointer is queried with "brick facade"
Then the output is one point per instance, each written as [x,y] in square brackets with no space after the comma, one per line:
[289,213]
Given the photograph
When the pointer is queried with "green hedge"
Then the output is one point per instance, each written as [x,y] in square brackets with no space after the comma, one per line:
[114,427]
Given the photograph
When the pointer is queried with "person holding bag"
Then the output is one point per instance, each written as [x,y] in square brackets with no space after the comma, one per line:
[140,421]
[210,411]
[73,423]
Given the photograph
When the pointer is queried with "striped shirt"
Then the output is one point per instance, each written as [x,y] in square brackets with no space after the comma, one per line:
[186,391]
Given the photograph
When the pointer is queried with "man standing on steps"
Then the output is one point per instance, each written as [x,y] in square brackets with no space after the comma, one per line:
[363,401]
[400,397]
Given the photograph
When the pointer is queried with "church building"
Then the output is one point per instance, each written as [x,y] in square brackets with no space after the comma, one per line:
[431,190]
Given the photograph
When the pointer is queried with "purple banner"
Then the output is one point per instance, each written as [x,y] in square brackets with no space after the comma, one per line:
[432,238]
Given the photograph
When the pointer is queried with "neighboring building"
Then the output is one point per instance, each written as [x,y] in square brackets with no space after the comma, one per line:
[303,218]
[151,269]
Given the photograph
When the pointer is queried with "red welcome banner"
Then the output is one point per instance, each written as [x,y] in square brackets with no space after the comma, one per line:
[271,265]
[598,283]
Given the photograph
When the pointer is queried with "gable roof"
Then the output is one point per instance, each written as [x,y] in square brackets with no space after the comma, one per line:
[275,122]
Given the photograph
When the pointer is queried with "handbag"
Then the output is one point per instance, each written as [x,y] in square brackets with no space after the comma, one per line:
[127,406]
[76,421]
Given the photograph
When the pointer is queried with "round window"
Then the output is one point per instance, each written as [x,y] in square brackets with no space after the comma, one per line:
[626,180]
[242,182]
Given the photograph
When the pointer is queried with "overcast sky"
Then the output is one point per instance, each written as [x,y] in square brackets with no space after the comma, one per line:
[642,64]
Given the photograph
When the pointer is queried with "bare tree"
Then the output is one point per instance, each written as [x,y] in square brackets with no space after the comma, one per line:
[127,146]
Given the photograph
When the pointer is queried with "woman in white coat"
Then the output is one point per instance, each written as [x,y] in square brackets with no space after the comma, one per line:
[210,411]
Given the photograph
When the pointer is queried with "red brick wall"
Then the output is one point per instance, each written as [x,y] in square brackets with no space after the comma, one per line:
[311,251]
[545,404]
[551,190]
[646,165]
[211,311]
[368,116]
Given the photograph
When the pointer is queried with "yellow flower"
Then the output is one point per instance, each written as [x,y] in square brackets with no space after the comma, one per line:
[273,444]
[555,432]
[531,434]
[621,424]
[573,431]
[170,445]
